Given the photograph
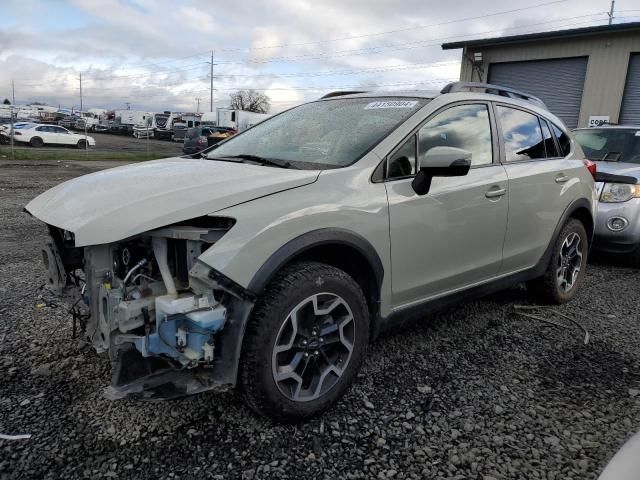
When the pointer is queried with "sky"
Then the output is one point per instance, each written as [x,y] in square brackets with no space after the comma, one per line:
[155,55]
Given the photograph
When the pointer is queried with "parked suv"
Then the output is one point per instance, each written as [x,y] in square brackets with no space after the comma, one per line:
[199,138]
[617,152]
[270,261]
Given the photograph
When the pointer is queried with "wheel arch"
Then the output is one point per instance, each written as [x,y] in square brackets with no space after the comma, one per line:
[583,214]
[579,209]
[337,247]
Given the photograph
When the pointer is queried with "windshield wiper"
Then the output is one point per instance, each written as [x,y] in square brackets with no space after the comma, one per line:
[263,160]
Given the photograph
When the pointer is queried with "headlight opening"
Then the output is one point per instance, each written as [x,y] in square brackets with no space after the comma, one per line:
[619,192]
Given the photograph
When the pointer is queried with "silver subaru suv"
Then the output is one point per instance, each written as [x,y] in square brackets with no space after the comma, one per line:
[269,261]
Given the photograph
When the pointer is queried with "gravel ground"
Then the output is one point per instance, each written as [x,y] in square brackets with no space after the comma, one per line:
[474,393]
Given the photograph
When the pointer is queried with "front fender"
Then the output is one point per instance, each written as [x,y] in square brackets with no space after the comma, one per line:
[342,204]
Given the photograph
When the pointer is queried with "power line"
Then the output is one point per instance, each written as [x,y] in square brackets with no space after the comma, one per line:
[399,30]
[352,37]
[335,72]
[374,50]
[410,45]
[440,81]
[391,68]
[343,53]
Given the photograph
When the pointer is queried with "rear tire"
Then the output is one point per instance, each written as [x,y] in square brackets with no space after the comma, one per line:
[36,142]
[566,268]
[304,343]
[82,145]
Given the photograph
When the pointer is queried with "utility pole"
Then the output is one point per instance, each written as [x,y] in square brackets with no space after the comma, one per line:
[13,91]
[198,105]
[613,6]
[81,92]
[211,86]
[13,153]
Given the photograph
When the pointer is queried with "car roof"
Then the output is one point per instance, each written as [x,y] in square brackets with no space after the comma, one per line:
[426,94]
[455,96]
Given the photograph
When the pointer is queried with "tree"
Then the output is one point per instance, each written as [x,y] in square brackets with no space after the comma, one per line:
[251,101]
[6,102]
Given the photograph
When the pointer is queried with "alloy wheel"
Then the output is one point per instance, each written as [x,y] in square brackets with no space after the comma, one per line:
[313,347]
[569,262]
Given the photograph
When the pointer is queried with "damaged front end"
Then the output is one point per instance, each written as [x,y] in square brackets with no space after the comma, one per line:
[172,325]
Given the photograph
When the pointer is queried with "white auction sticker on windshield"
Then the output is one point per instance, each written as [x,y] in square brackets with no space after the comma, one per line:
[392,104]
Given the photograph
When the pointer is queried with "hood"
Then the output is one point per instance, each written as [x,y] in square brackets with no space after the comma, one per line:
[620,168]
[114,204]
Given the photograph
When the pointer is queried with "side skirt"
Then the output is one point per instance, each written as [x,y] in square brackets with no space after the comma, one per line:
[418,310]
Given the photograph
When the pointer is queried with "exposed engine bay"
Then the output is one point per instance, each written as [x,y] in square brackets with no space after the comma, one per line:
[171,325]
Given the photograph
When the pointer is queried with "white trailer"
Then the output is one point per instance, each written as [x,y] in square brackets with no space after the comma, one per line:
[134,117]
[239,120]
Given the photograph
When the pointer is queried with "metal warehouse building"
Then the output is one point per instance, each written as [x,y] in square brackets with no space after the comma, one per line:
[579,73]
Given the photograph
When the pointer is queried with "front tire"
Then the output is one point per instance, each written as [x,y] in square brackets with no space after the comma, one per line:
[304,343]
[82,145]
[566,268]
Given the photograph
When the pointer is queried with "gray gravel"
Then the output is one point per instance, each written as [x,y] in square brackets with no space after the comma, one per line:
[473,393]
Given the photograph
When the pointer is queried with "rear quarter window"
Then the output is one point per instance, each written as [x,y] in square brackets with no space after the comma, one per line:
[549,140]
[563,139]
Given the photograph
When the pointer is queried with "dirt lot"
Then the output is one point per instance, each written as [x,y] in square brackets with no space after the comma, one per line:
[473,393]
[119,143]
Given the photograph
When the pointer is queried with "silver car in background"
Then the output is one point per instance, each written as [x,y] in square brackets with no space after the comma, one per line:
[616,151]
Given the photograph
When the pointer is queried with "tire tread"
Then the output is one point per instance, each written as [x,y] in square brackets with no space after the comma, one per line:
[260,325]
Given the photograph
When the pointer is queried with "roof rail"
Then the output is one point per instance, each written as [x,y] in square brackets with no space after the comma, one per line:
[454,87]
[341,93]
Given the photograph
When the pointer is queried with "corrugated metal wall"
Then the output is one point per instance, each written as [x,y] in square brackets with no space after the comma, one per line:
[604,84]
[558,82]
[630,110]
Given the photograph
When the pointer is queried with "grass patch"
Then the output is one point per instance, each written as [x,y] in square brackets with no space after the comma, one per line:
[66,155]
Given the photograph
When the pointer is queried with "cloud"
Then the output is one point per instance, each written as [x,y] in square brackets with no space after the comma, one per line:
[154,53]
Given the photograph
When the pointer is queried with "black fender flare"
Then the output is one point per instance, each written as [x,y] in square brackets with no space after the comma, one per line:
[232,336]
[309,240]
[573,207]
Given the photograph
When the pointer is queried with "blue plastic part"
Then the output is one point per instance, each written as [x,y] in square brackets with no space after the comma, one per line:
[199,325]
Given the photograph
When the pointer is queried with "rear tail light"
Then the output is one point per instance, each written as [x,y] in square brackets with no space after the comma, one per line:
[591,166]
[17,133]
[201,141]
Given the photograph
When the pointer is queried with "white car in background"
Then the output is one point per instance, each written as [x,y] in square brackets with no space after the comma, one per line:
[38,135]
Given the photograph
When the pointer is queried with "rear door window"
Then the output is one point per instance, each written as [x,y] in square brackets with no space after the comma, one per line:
[522,135]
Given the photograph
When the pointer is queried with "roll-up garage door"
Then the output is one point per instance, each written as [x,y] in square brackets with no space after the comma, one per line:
[630,110]
[558,82]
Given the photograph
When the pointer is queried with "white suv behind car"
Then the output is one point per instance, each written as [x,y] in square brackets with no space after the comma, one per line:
[271,260]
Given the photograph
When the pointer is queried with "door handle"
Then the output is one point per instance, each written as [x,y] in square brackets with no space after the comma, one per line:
[562,178]
[496,193]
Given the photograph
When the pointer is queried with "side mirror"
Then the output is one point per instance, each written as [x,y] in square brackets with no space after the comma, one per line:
[440,162]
